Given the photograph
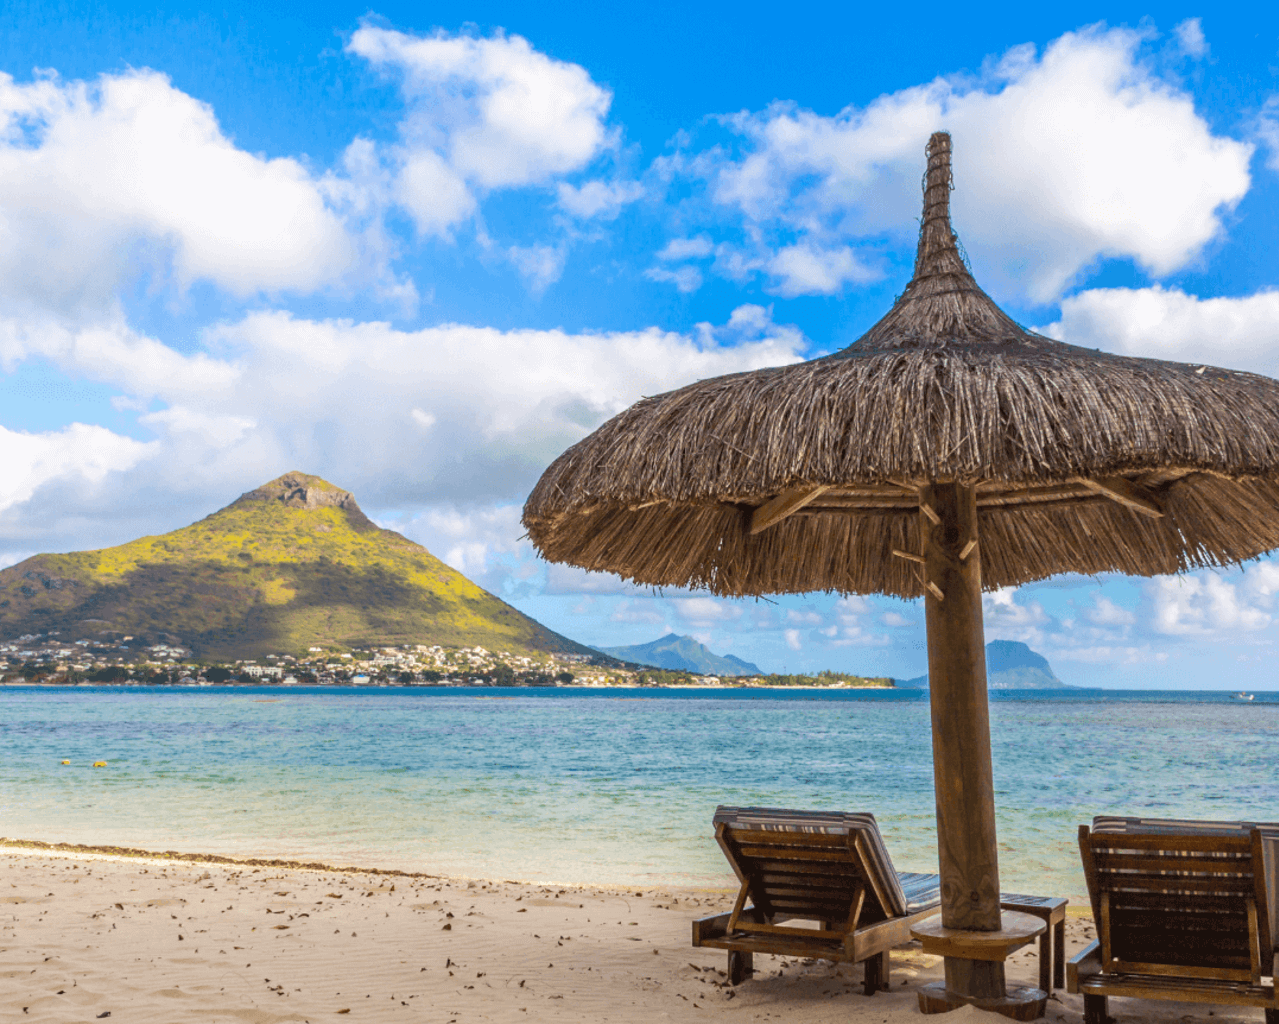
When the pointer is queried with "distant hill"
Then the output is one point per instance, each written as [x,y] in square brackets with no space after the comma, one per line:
[1009,666]
[682,654]
[290,565]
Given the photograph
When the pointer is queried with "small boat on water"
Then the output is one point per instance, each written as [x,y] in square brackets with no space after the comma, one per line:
[1243,696]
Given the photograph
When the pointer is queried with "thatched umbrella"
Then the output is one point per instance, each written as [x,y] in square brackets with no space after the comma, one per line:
[946,450]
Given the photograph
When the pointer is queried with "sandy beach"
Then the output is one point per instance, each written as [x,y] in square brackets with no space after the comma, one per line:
[84,936]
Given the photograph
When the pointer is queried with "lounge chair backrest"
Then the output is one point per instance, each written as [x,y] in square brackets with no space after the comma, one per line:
[1166,900]
[808,864]
[1269,832]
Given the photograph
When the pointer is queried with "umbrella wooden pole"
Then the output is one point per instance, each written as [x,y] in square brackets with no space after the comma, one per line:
[966,843]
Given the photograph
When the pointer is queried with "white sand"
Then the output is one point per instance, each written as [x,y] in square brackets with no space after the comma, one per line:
[83,936]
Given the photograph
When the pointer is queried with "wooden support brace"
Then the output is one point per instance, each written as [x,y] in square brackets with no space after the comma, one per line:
[935,590]
[1125,493]
[787,503]
[967,549]
[908,556]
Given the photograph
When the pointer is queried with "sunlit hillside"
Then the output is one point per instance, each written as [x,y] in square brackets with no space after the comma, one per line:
[291,565]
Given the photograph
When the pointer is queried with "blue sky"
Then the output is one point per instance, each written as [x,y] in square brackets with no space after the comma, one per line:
[419,250]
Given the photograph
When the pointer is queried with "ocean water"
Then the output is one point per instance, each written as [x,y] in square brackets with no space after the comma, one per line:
[600,786]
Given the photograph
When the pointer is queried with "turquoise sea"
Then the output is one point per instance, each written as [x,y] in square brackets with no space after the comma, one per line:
[610,786]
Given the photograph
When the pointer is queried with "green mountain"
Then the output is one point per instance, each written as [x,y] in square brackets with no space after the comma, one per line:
[291,565]
[1010,666]
[682,654]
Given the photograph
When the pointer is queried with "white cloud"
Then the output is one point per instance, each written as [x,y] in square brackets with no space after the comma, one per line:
[847,624]
[78,454]
[1190,36]
[686,279]
[1110,655]
[569,579]
[1008,619]
[645,612]
[806,270]
[1267,130]
[1104,612]
[435,194]
[703,612]
[1165,323]
[112,353]
[467,538]
[484,114]
[539,265]
[793,639]
[1208,604]
[101,180]
[598,199]
[686,249]
[467,415]
[1061,158]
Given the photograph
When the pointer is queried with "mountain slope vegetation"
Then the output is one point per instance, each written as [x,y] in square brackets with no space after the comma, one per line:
[287,566]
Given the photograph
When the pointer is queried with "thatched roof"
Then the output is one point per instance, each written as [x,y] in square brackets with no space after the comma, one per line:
[1084,461]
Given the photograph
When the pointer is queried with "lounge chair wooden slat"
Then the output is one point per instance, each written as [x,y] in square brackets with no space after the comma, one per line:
[1199,910]
[1183,912]
[1115,860]
[779,929]
[1218,844]
[805,840]
[832,916]
[782,855]
[1208,969]
[1165,883]
[1176,941]
[782,886]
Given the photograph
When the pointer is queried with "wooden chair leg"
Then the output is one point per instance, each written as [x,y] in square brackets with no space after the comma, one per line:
[1272,1016]
[741,965]
[1095,1009]
[876,977]
[1059,955]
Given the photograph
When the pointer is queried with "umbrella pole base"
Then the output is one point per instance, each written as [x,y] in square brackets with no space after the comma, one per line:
[1017,1002]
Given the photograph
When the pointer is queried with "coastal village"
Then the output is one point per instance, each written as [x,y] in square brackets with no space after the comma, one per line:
[50,660]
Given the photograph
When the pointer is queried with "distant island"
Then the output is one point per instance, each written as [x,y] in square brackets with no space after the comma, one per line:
[683,654]
[1010,665]
[288,566]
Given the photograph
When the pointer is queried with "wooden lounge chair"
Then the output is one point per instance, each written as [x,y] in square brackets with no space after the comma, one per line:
[1185,911]
[829,869]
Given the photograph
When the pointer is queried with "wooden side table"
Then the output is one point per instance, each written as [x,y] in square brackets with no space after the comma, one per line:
[958,945]
[1052,944]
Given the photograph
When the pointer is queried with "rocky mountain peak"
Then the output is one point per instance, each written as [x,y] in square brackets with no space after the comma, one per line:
[302,490]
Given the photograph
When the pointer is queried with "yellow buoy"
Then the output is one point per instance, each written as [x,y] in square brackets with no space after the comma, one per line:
[99,764]
[66,762]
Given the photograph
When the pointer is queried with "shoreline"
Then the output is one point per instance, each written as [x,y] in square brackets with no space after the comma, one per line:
[125,854]
[1078,902]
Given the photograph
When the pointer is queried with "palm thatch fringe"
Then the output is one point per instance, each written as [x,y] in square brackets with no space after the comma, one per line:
[709,546]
